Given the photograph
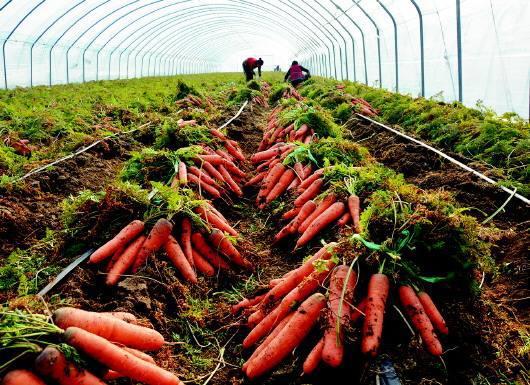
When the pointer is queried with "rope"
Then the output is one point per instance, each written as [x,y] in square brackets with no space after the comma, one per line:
[235,116]
[451,159]
[80,151]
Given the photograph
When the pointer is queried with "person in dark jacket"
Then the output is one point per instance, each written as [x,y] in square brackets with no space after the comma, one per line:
[295,74]
[249,65]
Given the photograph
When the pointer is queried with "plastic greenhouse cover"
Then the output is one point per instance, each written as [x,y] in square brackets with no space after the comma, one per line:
[61,41]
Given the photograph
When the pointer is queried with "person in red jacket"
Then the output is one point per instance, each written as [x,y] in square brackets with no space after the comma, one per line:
[295,74]
[249,65]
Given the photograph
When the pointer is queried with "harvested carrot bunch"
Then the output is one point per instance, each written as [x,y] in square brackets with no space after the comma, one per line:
[285,315]
[50,349]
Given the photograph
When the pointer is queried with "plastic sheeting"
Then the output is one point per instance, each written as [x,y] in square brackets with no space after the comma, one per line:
[409,46]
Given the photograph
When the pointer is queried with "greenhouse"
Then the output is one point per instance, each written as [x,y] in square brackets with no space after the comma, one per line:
[274,192]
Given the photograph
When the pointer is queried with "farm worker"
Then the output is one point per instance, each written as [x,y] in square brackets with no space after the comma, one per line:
[249,65]
[295,74]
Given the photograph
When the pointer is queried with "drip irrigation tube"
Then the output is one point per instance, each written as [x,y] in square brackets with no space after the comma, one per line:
[451,159]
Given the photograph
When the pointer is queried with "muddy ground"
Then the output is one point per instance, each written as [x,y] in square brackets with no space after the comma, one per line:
[206,337]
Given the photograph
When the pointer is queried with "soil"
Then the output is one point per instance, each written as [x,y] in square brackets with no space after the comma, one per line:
[483,328]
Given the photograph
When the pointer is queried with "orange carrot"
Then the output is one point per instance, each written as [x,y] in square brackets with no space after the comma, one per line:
[258,178]
[202,246]
[311,192]
[185,240]
[213,159]
[230,181]
[343,280]
[245,303]
[281,186]
[269,181]
[322,206]
[202,175]
[297,295]
[420,321]
[291,213]
[218,134]
[265,155]
[378,287]
[344,220]
[52,364]
[289,338]
[118,359]
[221,243]
[291,227]
[111,328]
[141,355]
[333,212]
[117,254]
[22,377]
[214,221]
[127,234]
[125,261]
[355,207]
[177,257]
[432,312]
[183,173]
[202,264]
[156,238]
[233,169]
[313,358]
[214,192]
[210,169]
[310,179]
[112,375]
[234,151]
[267,340]
[123,315]
[358,311]
[224,154]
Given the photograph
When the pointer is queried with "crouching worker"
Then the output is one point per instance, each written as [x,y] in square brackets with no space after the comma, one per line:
[249,65]
[296,74]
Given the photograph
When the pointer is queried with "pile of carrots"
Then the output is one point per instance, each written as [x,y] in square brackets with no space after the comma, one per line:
[213,171]
[205,251]
[191,101]
[363,107]
[291,92]
[281,327]
[113,340]
[21,146]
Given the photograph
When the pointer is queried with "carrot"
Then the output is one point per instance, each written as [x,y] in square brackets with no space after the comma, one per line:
[378,287]
[313,358]
[233,169]
[265,155]
[177,257]
[215,222]
[141,355]
[358,311]
[297,295]
[127,234]
[200,244]
[125,261]
[246,303]
[291,213]
[224,154]
[419,319]
[234,151]
[156,238]
[123,315]
[202,175]
[183,173]
[112,375]
[216,212]
[111,328]
[202,264]
[311,192]
[432,312]
[255,180]
[52,364]
[221,243]
[269,181]
[343,280]
[308,139]
[117,254]
[255,318]
[267,340]
[344,220]
[281,186]
[291,227]
[354,206]
[118,359]
[333,212]
[185,240]
[22,377]
[218,134]
[289,338]
[210,169]
[230,181]
[310,179]
[322,206]
[214,192]
[213,159]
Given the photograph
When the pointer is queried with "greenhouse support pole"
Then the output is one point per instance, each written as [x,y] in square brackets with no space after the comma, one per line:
[11,34]
[459,48]
[378,40]
[422,52]
[395,42]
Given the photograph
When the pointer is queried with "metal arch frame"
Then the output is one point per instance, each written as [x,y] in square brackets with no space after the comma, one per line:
[422,53]
[41,35]
[352,41]
[459,50]
[364,45]
[395,42]
[378,40]
[68,29]
[11,34]
[85,31]
[245,6]
[5,5]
